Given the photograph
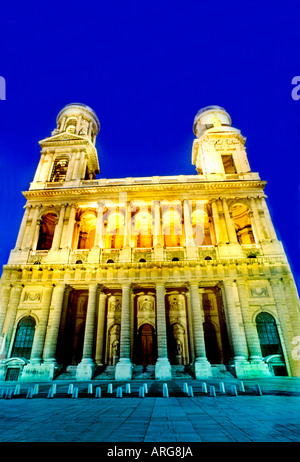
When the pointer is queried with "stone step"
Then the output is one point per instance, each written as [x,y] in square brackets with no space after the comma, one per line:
[143,373]
[220,371]
[68,374]
[105,373]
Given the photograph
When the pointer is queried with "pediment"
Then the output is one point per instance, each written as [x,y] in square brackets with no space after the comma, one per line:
[63,137]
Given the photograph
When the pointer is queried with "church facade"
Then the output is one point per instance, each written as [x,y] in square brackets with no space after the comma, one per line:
[153,277]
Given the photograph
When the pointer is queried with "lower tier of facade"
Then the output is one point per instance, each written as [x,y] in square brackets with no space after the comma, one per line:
[233,318]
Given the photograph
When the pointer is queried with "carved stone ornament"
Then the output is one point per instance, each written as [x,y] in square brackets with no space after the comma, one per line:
[32,297]
[259,292]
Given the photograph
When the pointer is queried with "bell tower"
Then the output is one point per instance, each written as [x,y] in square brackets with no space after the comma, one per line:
[69,154]
[219,148]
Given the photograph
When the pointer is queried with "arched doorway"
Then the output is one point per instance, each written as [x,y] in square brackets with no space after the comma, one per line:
[147,344]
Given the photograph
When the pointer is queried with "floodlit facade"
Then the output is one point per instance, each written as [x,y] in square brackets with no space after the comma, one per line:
[153,277]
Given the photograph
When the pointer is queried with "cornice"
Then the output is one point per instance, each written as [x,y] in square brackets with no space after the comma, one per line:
[205,186]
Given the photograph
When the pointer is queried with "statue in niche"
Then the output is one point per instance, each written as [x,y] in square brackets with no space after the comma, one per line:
[114,350]
[178,333]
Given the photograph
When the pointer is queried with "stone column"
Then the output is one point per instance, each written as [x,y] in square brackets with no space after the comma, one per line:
[162,366]
[40,332]
[188,223]
[202,366]
[33,227]
[90,325]
[257,220]
[99,225]
[71,223]
[157,240]
[46,167]
[229,223]
[237,333]
[58,228]
[22,228]
[86,367]
[100,329]
[124,366]
[54,322]
[12,308]
[216,220]
[77,156]
[127,226]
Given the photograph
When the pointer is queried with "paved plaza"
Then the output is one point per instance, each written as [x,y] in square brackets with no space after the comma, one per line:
[273,416]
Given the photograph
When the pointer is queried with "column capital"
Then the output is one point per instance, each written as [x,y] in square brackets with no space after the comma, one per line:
[101,204]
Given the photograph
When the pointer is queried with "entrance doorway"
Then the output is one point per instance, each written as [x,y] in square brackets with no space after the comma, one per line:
[147,344]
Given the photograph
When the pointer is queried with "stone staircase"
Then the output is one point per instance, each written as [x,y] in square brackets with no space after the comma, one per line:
[181,372]
[105,373]
[219,371]
[142,373]
[68,373]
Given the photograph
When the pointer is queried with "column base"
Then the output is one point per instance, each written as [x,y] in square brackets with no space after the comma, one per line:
[163,369]
[202,368]
[191,252]
[94,255]
[85,370]
[35,372]
[251,369]
[123,369]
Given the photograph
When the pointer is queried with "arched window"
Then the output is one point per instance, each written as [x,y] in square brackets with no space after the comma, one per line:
[24,338]
[268,334]
[59,170]
[46,234]
[242,224]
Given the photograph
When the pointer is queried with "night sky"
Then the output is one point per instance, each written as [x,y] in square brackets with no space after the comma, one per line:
[146,68]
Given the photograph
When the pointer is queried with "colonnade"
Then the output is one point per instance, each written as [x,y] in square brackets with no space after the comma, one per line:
[222,226]
[241,328]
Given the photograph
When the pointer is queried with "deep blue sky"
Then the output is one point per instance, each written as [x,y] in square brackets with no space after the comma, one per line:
[146,68]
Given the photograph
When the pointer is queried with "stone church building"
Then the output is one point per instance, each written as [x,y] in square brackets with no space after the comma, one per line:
[154,277]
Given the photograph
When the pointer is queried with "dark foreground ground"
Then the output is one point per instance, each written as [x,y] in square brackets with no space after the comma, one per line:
[249,417]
